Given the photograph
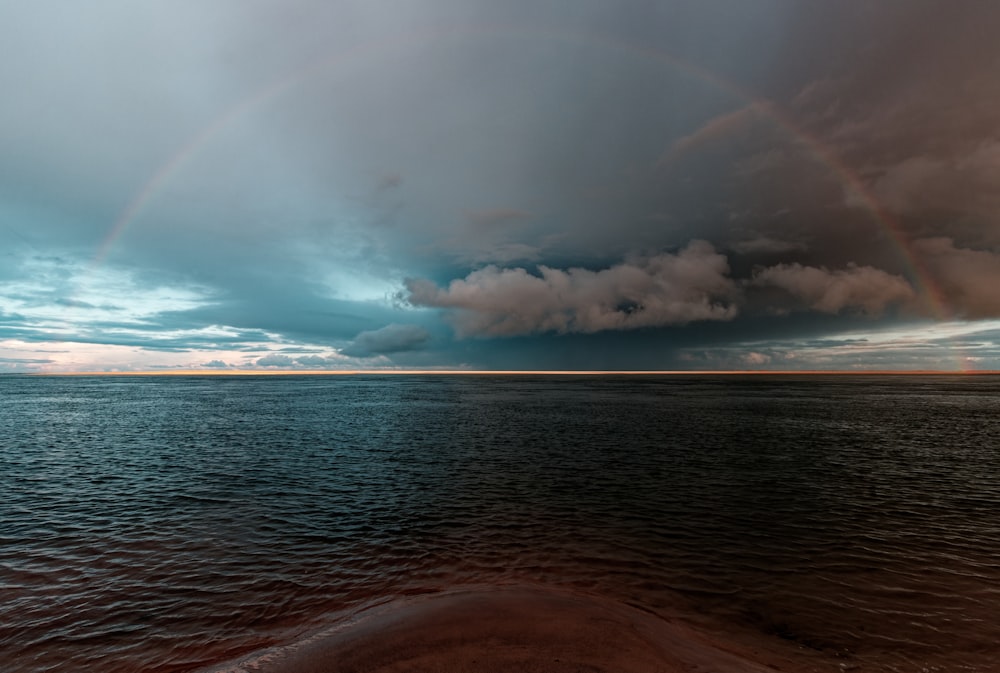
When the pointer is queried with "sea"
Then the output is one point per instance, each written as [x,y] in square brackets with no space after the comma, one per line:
[177,523]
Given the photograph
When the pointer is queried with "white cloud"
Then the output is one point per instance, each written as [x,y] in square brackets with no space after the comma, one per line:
[313,361]
[276,360]
[755,359]
[59,294]
[666,289]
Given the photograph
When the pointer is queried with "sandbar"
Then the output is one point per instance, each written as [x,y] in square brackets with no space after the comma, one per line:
[508,629]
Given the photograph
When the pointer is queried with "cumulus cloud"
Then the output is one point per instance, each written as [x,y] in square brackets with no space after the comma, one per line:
[969,278]
[215,364]
[389,339]
[755,359]
[275,360]
[666,289]
[313,361]
[861,288]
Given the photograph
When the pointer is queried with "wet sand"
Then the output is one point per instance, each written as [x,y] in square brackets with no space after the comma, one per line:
[511,629]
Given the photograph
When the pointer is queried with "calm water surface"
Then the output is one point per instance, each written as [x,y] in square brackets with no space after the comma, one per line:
[170,524]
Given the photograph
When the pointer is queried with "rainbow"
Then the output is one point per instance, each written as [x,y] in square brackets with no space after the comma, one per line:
[923,281]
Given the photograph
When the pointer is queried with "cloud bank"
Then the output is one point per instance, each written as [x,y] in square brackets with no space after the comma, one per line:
[969,279]
[275,174]
[861,288]
[666,289]
[389,339]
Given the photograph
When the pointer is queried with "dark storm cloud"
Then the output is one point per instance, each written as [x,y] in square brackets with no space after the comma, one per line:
[969,279]
[911,108]
[239,176]
[720,127]
[495,216]
[863,288]
[387,340]
[766,245]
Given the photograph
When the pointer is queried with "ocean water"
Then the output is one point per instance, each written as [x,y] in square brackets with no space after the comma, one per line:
[176,523]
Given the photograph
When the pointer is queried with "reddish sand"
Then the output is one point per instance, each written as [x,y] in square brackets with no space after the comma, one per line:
[513,629]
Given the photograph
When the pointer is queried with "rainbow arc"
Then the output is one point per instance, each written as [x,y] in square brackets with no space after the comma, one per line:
[923,281]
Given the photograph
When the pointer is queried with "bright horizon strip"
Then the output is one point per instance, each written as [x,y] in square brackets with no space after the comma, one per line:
[926,288]
[531,372]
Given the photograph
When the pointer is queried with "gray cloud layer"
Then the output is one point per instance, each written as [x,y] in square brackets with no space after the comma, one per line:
[862,288]
[661,290]
[388,340]
[969,279]
[224,181]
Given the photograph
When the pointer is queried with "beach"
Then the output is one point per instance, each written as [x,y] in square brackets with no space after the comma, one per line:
[512,629]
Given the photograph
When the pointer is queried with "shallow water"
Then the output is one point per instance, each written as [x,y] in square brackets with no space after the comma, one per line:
[170,524]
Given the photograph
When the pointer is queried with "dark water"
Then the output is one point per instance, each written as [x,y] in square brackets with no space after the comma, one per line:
[169,524]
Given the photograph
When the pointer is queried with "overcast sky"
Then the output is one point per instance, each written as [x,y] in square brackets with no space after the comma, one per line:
[585,184]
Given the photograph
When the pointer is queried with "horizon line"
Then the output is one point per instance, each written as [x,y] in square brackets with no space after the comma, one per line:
[527,372]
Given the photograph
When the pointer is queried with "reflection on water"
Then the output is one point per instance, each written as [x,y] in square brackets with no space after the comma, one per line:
[171,523]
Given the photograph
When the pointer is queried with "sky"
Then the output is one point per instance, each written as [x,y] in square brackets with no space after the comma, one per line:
[474,184]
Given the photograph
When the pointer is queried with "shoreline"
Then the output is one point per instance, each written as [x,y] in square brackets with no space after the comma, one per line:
[488,372]
[512,628]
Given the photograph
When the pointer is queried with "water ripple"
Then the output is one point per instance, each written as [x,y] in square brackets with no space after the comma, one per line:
[170,524]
